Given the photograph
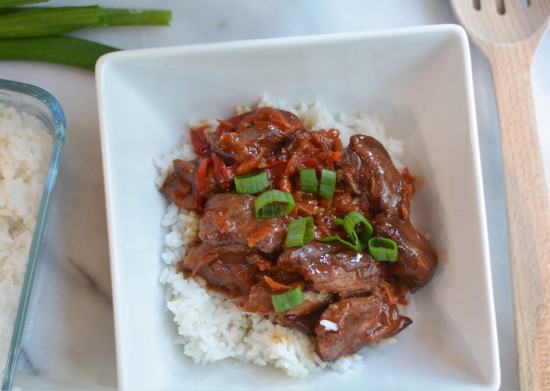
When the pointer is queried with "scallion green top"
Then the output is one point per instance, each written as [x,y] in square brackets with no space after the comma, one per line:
[288,300]
[273,203]
[300,232]
[251,183]
[328,184]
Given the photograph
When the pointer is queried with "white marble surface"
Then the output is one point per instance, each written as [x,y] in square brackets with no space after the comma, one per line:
[70,332]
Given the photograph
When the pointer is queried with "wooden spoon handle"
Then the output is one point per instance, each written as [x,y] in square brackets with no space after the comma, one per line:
[528,214]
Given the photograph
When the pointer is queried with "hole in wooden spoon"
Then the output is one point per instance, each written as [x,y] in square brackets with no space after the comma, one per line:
[525,3]
[500,7]
[477,4]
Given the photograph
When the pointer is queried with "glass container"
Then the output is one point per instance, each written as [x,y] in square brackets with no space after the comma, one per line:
[34,101]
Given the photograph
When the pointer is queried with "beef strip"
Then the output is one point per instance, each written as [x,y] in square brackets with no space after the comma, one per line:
[311,149]
[367,169]
[259,301]
[417,261]
[230,218]
[224,267]
[360,321]
[244,256]
[178,184]
[304,322]
[332,267]
[256,135]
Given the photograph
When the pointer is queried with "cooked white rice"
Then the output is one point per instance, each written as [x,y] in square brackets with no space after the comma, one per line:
[25,147]
[212,327]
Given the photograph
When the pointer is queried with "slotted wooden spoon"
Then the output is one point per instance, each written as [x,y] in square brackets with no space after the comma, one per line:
[509,33]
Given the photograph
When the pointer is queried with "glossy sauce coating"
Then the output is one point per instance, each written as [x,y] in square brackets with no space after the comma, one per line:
[244,256]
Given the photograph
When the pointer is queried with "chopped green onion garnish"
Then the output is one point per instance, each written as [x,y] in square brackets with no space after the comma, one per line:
[60,50]
[354,246]
[273,203]
[328,183]
[349,223]
[300,232]
[308,181]
[383,249]
[251,183]
[287,300]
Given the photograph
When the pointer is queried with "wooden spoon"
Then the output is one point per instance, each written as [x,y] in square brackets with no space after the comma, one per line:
[509,33]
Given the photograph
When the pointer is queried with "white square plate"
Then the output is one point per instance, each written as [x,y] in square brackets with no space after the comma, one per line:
[419,81]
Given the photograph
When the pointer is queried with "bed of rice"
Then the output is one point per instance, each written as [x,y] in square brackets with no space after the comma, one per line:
[210,326]
[25,147]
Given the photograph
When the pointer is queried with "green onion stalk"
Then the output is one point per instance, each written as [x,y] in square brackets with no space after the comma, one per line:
[34,33]
[61,50]
[42,22]
[15,3]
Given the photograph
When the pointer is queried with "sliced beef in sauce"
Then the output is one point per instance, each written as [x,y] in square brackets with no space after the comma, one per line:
[332,267]
[245,257]
[359,321]
[304,322]
[178,184]
[230,218]
[367,169]
[417,261]
[224,267]
[181,184]
[259,301]
[256,136]
[311,149]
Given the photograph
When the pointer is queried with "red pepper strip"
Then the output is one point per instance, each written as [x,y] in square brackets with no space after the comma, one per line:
[229,174]
[231,124]
[251,163]
[302,284]
[277,164]
[219,165]
[285,185]
[276,172]
[393,299]
[310,162]
[292,166]
[223,175]
[224,126]
[276,117]
[200,143]
[276,285]
[297,161]
[264,117]
[201,180]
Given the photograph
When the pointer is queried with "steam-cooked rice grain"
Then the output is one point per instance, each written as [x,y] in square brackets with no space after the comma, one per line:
[25,146]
